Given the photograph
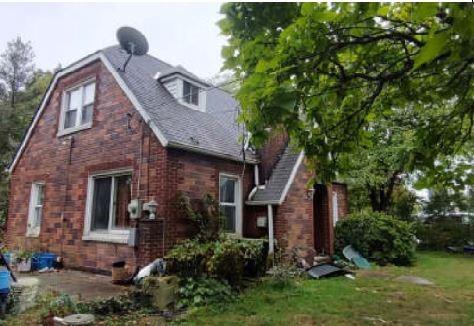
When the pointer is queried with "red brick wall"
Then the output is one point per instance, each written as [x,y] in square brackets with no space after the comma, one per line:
[198,175]
[270,153]
[64,163]
[293,220]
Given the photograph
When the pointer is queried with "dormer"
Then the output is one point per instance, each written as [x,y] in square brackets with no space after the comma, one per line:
[188,89]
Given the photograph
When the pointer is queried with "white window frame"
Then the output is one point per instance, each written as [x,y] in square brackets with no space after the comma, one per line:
[111,234]
[237,204]
[335,208]
[64,107]
[202,94]
[33,230]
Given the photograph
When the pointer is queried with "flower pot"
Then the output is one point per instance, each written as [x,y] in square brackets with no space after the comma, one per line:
[24,265]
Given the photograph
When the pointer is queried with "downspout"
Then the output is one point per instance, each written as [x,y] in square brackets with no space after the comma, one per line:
[271,241]
[256,175]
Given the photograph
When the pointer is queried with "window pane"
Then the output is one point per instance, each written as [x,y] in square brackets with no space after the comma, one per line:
[186,92]
[227,190]
[122,199]
[37,217]
[101,204]
[74,99]
[39,194]
[89,92]
[87,114]
[228,213]
[194,95]
[70,119]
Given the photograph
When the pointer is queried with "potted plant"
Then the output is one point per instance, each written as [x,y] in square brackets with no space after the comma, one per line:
[24,260]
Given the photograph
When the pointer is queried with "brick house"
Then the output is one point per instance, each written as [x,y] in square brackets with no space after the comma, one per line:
[103,138]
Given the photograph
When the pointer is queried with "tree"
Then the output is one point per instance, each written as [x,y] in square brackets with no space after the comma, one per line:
[335,75]
[16,67]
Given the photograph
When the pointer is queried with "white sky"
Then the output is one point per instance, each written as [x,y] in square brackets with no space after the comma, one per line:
[178,33]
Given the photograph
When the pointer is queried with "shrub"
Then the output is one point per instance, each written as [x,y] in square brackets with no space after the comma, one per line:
[195,292]
[226,258]
[444,232]
[377,236]
[188,259]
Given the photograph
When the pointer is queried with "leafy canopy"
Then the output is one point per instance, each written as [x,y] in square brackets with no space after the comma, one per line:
[332,75]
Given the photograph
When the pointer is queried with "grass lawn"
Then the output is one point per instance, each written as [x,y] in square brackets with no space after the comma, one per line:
[374,297]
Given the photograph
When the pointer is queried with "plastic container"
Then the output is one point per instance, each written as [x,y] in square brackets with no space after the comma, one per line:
[4,280]
[46,259]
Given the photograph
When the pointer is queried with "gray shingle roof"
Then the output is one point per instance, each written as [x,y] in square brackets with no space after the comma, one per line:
[274,189]
[213,132]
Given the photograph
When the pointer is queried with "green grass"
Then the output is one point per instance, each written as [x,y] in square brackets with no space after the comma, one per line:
[373,298]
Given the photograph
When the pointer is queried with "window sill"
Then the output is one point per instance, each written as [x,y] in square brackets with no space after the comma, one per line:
[72,130]
[107,237]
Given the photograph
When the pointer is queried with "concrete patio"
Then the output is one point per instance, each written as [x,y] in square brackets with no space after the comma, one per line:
[80,285]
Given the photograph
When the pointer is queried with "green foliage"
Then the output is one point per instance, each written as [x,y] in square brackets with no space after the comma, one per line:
[205,215]
[188,259]
[195,292]
[370,91]
[378,237]
[443,232]
[225,258]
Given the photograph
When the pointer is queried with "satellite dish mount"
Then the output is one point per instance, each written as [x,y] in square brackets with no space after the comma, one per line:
[133,42]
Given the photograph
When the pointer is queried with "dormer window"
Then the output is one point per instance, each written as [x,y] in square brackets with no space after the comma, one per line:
[190,93]
[78,103]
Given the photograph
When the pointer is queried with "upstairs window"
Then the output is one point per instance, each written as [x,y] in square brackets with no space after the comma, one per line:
[190,93]
[77,108]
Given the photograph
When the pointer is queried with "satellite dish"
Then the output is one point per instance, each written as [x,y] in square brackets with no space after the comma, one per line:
[132,41]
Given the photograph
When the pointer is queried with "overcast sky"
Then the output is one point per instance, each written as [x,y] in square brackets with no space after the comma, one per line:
[178,33]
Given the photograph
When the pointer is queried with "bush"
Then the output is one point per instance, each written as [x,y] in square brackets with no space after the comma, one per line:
[226,258]
[378,237]
[195,292]
[444,232]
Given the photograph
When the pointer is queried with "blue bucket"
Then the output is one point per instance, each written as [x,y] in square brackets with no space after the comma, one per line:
[4,280]
[46,259]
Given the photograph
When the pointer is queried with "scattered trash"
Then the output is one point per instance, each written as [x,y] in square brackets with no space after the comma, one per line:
[469,249]
[77,319]
[414,280]
[158,267]
[375,319]
[354,256]
[325,270]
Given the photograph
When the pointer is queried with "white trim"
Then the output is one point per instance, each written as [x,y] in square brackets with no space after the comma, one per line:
[133,99]
[271,237]
[292,177]
[111,234]
[285,190]
[238,201]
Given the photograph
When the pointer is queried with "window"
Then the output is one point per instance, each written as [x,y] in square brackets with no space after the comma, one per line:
[77,107]
[107,213]
[190,93]
[229,201]
[35,209]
